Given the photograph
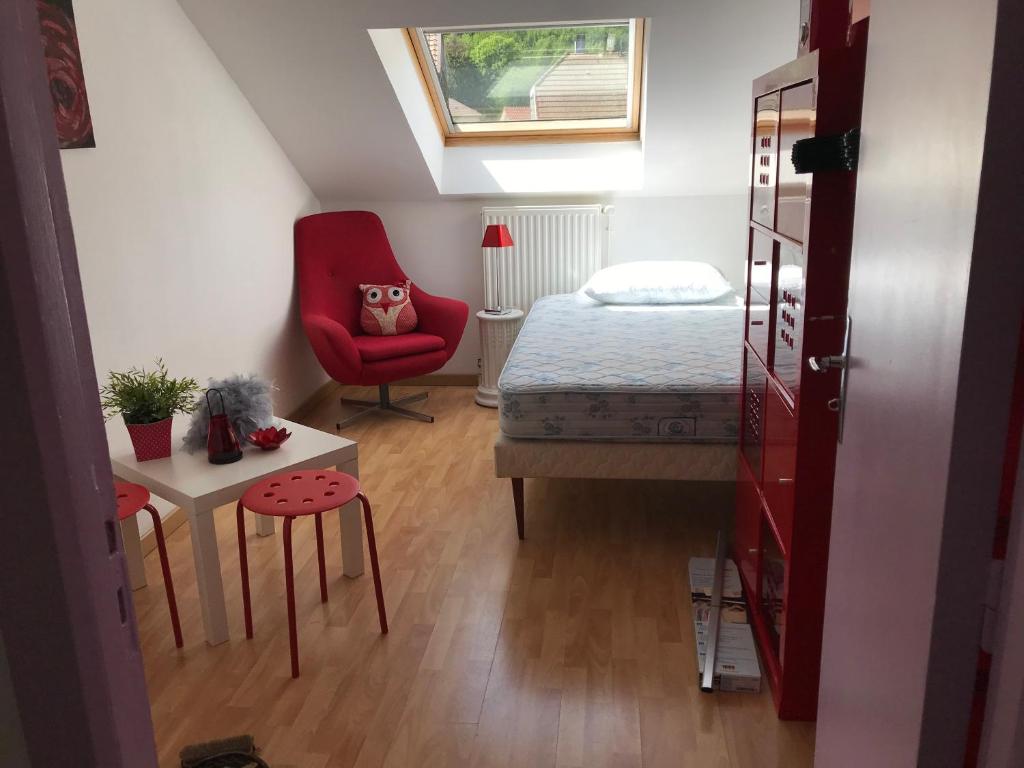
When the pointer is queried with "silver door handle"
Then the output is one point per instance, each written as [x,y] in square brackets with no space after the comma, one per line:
[826,362]
[842,362]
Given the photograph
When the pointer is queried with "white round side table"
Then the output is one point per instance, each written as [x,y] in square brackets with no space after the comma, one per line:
[497,334]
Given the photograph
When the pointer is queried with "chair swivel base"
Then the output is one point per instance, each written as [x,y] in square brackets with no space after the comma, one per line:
[386,405]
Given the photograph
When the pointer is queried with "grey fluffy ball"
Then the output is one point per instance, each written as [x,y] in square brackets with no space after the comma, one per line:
[247,403]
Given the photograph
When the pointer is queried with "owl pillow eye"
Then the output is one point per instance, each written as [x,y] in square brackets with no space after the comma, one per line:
[395,293]
[374,295]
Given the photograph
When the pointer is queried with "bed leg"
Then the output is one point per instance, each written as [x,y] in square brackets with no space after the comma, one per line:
[517,498]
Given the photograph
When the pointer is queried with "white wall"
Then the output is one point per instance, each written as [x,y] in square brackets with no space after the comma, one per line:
[183,212]
[699,228]
[438,243]
[312,72]
[187,192]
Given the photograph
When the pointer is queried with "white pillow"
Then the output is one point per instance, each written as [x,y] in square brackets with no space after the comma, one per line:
[658,282]
[791,276]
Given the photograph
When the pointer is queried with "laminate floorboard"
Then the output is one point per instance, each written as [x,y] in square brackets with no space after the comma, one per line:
[573,648]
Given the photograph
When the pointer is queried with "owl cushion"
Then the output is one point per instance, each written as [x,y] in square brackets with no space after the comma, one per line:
[387,310]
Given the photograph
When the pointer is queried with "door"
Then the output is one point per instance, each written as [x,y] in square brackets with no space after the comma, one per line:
[997,726]
[70,668]
[936,290]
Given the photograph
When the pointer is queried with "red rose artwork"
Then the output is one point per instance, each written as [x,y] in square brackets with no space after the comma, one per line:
[64,68]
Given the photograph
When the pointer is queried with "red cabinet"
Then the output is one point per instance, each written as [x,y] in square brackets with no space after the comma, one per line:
[771,600]
[752,421]
[759,294]
[748,529]
[765,165]
[798,257]
[789,317]
[779,462]
[797,122]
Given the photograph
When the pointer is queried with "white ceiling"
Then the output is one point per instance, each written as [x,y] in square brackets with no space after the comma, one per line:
[310,71]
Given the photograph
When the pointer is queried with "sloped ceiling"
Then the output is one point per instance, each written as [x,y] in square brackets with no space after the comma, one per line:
[310,71]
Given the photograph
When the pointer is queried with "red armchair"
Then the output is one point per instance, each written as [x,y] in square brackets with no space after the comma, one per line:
[334,253]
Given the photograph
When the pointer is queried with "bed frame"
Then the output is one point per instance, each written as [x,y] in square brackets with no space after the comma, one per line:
[518,458]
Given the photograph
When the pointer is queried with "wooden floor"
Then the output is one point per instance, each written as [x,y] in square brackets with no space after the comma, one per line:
[573,648]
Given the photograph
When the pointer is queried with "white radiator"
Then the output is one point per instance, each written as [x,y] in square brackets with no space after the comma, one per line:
[557,249]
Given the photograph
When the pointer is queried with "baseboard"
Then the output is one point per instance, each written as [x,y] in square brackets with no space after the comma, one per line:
[170,524]
[310,404]
[441,380]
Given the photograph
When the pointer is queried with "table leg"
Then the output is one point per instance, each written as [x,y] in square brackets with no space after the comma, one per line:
[208,576]
[264,525]
[133,552]
[351,529]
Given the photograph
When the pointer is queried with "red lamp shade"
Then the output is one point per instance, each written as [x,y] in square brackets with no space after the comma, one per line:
[496,236]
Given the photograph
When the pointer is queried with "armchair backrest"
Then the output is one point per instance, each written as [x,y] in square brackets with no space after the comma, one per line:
[334,253]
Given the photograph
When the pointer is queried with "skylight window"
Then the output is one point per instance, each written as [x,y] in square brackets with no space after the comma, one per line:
[577,81]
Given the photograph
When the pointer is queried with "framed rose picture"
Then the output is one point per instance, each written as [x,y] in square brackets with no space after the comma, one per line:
[64,70]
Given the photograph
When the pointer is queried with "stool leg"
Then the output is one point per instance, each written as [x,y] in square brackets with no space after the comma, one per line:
[374,565]
[320,557]
[289,585]
[158,531]
[243,562]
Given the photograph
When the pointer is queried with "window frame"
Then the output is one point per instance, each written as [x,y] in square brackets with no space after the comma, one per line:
[553,131]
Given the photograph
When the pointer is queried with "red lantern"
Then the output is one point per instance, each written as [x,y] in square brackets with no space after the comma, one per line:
[221,444]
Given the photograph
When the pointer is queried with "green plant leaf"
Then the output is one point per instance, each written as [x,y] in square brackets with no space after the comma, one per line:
[144,397]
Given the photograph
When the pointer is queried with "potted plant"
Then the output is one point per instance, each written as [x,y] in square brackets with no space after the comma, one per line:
[148,401]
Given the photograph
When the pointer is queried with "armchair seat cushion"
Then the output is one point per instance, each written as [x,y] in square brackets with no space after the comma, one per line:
[377,348]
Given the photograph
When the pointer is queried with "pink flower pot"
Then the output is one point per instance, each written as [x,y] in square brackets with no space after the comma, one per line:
[151,441]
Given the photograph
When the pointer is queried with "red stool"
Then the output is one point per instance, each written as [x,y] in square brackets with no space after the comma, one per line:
[297,494]
[132,499]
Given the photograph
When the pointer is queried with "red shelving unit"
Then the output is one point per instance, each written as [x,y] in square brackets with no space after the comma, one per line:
[799,235]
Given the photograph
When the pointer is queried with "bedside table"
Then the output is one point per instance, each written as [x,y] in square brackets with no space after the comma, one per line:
[497,334]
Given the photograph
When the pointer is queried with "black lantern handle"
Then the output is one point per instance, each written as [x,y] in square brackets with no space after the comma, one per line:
[209,406]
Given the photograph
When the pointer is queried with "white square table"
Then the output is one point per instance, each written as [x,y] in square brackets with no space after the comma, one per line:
[198,487]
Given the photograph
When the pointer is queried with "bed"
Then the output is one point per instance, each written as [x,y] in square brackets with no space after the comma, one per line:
[594,390]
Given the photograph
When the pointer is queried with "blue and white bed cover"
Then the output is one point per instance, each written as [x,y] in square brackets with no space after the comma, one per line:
[583,370]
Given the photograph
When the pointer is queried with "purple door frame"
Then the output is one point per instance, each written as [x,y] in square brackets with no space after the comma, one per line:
[66,614]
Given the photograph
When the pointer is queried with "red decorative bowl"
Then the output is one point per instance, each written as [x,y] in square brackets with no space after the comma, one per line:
[269,439]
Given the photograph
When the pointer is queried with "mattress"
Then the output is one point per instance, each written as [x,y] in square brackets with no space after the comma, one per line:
[582,370]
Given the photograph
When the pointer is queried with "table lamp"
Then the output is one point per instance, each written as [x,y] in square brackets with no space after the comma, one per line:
[497,236]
